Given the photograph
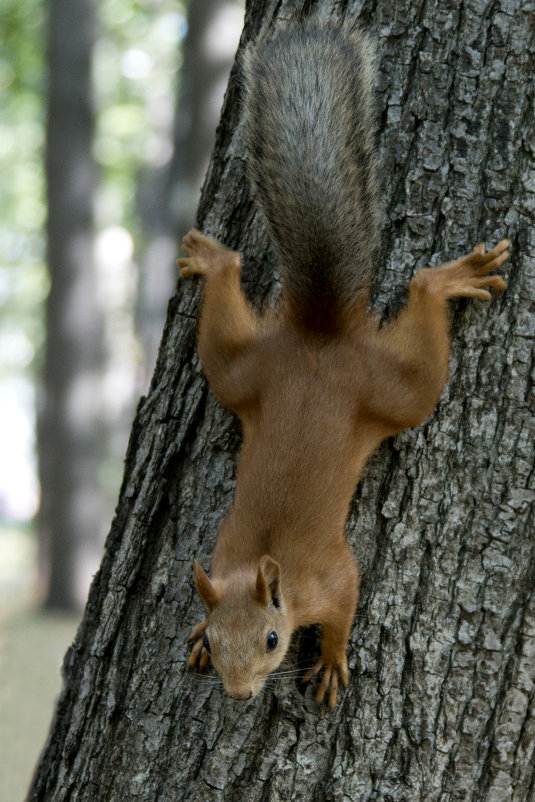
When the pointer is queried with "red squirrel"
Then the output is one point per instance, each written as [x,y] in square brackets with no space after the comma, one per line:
[317,382]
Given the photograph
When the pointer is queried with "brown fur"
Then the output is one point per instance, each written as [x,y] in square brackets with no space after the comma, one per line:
[313,407]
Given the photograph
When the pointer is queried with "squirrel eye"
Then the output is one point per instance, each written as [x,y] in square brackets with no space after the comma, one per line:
[206,644]
[272,641]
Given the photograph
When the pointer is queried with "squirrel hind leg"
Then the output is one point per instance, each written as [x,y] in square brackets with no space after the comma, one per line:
[468,277]
[205,256]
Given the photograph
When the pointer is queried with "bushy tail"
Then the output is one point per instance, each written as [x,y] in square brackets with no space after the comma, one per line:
[309,135]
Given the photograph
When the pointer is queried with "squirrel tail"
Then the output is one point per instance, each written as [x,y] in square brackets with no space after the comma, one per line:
[310,140]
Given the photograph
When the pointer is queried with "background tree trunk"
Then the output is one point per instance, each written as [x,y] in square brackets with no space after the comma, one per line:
[441,698]
[168,197]
[70,437]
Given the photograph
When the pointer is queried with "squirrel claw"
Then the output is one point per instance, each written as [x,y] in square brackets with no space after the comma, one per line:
[205,255]
[335,673]
[198,248]
[194,240]
[482,262]
[199,657]
[468,277]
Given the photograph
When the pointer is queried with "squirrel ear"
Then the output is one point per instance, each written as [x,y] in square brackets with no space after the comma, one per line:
[268,581]
[206,590]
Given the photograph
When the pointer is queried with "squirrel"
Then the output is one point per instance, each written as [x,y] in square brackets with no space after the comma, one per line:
[319,381]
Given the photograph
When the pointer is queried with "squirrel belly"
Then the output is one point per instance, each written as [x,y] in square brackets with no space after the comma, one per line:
[317,383]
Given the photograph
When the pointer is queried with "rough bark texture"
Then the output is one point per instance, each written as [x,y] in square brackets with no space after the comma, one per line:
[70,436]
[442,691]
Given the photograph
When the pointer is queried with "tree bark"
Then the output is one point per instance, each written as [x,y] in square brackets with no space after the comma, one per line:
[441,699]
[70,438]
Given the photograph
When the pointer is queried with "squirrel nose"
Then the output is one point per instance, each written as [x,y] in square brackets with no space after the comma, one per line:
[242,696]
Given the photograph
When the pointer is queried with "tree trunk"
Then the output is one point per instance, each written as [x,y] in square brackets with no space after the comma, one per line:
[441,699]
[69,435]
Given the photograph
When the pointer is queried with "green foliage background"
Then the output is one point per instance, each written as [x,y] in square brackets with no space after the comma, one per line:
[23,283]
[136,60]
[137,56]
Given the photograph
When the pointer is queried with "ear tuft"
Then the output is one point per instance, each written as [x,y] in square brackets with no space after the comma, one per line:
[268,581]
[205,588]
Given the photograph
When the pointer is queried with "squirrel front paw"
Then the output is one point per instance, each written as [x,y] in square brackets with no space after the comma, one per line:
[205,255]
[199,657]
[335,673]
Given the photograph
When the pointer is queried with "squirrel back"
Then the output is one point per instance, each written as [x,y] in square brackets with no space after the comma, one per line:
[309,136]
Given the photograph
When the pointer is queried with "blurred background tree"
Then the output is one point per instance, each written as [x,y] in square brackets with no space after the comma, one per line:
[128,137]
[70,432]
[23,283]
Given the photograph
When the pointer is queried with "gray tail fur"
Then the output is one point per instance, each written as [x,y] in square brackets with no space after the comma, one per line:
[310,141]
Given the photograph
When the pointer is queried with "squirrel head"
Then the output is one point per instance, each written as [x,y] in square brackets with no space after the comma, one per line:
[248,630]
